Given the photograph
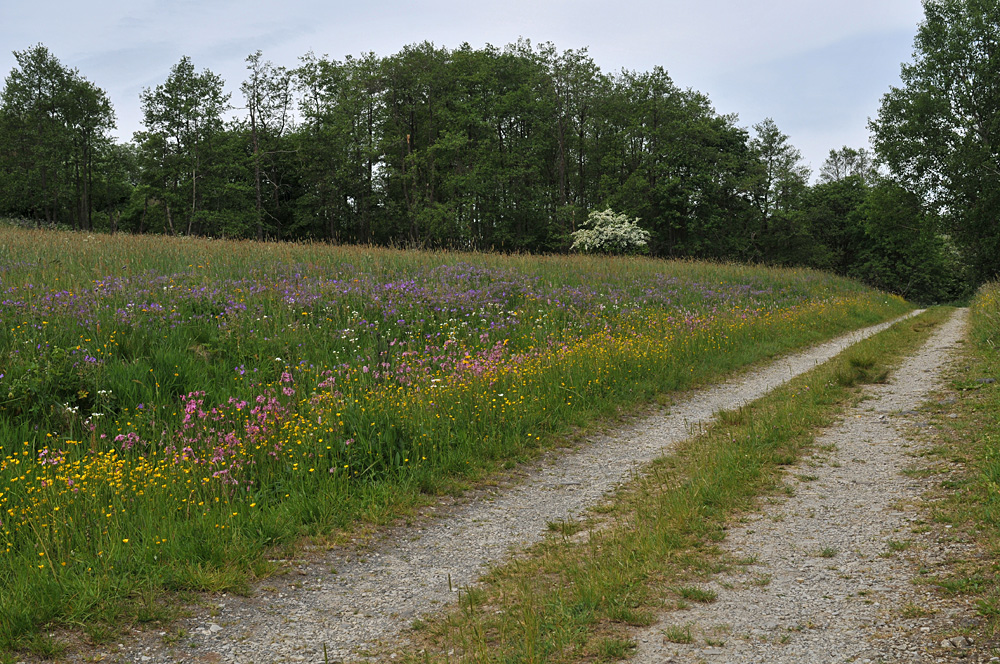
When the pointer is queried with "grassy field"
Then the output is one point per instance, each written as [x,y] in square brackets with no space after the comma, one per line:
[650,548]
[171,409]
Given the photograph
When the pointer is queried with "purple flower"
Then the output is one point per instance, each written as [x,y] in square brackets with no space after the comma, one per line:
[127,441]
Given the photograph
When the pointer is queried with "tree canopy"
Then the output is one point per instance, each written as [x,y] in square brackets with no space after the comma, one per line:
[54,124]
[516,149]
[939,133]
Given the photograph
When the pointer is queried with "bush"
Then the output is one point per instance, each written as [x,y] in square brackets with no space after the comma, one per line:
[610,233]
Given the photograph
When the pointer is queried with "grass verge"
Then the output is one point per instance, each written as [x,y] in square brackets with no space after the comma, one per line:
[964,464]
[575,597]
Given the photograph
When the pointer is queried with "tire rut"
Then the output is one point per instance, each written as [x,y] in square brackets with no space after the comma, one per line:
[829,583]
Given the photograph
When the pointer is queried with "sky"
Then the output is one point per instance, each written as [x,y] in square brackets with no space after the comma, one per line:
[818,68]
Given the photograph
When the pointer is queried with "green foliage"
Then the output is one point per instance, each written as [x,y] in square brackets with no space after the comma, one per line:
[776,187]
[268,95]
[185,155]
[688,180]
[903,250]
[831,213]
[845,163]
[54,128]
[879,233]
[938,133]
[507,149]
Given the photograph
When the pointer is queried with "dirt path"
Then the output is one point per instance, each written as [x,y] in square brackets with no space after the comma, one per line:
[348,604]
[830,582]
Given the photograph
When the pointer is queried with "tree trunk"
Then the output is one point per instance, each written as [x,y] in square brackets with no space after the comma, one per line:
[256,166]
[170,220]
[78,216]
[194,194]
[142,219]
[88,185]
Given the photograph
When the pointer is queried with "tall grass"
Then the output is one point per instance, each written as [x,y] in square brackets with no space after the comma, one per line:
[171,408]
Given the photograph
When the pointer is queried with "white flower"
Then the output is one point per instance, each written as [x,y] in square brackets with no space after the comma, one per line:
[609,232]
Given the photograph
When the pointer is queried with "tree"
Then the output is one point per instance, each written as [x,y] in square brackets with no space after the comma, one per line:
[113,191]
[339,146]
[577,86]
[678,165]
[183,117]
[844,163]
[902,251]
[268,96]
[782,179]
[499,182]
[939,134]
[831,216]
[777,193]
[54,124]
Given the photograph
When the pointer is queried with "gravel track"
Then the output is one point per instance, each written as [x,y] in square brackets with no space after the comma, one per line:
[830,582]
[371,599]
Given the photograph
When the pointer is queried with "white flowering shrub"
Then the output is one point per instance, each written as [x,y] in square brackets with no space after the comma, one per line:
[610,233]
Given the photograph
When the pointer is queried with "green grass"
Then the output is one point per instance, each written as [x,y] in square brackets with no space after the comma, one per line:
[966,458]
[678,634]
[696,594]
[172,410]
[662,530]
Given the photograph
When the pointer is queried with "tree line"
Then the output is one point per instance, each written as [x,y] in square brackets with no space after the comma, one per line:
[506,149]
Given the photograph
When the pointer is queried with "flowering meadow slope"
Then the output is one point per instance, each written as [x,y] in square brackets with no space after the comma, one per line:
[171,408]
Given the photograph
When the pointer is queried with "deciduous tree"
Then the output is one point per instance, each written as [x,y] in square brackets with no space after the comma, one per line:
[846,162]
[268,96]
[54,124]
[183,119]
[777,193]
[939,133]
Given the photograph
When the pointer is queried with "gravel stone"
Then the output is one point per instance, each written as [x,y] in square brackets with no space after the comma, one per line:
[848,607]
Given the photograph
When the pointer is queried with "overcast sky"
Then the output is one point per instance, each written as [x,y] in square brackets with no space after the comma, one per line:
[818,67]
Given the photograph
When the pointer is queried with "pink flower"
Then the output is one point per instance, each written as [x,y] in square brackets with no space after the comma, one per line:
[128,441]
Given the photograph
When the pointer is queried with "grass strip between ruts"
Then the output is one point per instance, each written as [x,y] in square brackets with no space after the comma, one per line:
[575,597]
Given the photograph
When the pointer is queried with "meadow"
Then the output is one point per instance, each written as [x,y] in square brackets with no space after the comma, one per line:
[173,409]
